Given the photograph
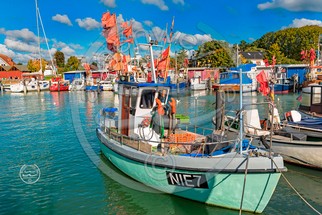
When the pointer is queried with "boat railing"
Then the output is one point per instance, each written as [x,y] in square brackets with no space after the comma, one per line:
[171,146]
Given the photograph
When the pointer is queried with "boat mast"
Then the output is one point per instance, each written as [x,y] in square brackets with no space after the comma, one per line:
[151,42]
[43,30]
[38,32]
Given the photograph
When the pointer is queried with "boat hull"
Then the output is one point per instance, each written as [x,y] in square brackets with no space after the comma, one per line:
[282,88]
[54,88]
[234,87]
[217,186]
[93,88]
[304,153]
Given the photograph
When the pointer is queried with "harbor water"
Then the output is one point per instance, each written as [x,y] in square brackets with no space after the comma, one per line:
[51,161]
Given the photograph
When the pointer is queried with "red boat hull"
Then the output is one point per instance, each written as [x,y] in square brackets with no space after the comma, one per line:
[54,88]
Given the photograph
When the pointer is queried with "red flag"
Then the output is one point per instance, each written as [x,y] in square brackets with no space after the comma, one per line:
[112,39]
[266,62]
[186,62]
[165,54]
[86,67]
[124,25]
[130,40]
[262,80]
[108,20]
[128,31]
[163,63]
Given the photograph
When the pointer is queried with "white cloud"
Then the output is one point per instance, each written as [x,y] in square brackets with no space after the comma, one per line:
[4,50]
[189,41]
[297,23]
[23,34]
[17,45]
[68,51]
[109,3]
[62,19]
[148,23]
[293,5]
[178,2]
[88,23]
[158,3]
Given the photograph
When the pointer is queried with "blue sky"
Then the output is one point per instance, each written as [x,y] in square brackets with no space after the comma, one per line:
[74,28]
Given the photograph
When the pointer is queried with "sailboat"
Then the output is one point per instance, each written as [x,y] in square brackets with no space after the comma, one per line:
[154,145]
[33,84]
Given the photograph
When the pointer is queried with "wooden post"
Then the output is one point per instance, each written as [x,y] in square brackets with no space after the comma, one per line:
[98,88]
[2,88]
[58,86]
[38,87]
[220,107]
[24,87]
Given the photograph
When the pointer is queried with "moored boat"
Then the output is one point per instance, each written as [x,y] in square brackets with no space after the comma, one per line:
[229,81]
[174,161]
[291,142]
[31,85]
[57,84]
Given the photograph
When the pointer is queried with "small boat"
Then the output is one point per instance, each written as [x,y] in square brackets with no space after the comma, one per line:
[229,81]
[78,84]
[154,145]
[283,84]
[31,86]
[311,103]
[289,140]
[58,84]
[107,85]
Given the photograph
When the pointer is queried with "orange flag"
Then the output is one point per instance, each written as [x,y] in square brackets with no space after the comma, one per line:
[163,63]
[108,20]
[128,31]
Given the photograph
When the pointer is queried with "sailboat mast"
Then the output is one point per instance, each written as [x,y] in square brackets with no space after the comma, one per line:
[38,32]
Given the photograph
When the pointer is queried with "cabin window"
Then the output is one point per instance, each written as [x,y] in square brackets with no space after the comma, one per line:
[147,99]
[134,96]
[235,76]
[162,95]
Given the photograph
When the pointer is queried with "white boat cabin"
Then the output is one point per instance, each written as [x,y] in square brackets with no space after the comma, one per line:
[138,102]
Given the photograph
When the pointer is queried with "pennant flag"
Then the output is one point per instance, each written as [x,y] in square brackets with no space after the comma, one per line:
[171,29]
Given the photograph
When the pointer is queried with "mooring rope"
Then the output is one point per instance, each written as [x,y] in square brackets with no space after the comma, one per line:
[287,181]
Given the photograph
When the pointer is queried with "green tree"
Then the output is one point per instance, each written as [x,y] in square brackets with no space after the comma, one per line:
[214,54]
[59,59]
[181,56]
[243,45]
[34,65]
[72,64]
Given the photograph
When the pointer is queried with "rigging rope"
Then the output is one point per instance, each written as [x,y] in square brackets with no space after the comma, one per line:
[287,181]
